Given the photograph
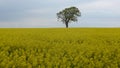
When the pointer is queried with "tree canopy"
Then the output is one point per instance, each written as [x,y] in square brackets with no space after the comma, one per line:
[69,15]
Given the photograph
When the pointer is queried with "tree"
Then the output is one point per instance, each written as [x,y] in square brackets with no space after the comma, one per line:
[68,15]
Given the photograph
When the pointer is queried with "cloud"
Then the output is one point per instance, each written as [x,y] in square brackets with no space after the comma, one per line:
[33,23]
[35,13]
[98,5]
[100,8]
[101,5]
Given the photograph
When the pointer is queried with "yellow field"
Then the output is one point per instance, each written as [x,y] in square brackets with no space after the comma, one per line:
[60,48]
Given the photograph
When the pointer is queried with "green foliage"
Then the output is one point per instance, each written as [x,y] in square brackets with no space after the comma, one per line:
[69,15]
[60,48]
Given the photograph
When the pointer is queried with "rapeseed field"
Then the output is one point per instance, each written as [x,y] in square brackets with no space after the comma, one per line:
[60,48]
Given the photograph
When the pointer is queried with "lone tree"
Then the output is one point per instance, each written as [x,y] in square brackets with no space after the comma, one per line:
[69,15]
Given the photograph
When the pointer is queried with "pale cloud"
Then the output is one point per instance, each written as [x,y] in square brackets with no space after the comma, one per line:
[100,4]
[100,9]
[32,23]
[37,13]
[44,11]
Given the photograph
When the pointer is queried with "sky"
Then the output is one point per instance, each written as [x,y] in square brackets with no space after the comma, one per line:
[42,13]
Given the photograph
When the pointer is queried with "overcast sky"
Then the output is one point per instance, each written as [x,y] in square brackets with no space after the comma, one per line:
[42,13]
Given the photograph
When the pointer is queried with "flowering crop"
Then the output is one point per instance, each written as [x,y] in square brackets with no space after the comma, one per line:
[60,48]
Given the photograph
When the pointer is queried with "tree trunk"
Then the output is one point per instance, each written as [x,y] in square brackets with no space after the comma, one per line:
[66,24]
